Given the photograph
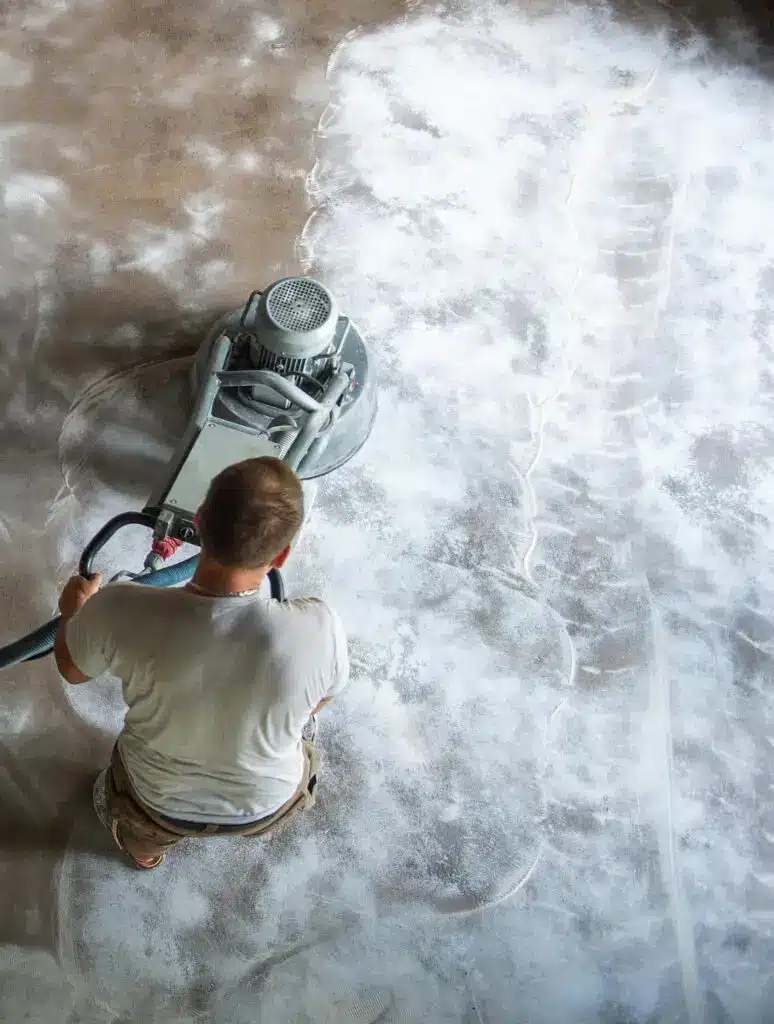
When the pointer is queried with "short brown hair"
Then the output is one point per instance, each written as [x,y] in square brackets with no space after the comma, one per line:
[252,511]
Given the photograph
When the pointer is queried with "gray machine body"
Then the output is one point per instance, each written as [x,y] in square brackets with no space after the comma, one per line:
[288,376]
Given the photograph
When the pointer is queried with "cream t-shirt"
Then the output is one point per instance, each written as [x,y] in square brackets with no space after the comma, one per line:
[218,691]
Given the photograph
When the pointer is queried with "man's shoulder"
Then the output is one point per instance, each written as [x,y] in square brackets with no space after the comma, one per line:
[109,597]
[326,636]
[120,599]
[317,611]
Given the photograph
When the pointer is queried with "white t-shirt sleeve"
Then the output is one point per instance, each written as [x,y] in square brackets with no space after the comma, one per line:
[90,634]
[340,656]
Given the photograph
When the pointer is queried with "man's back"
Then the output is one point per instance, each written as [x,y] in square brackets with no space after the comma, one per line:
[218,690]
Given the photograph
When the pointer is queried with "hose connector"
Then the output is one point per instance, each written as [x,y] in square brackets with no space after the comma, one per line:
[166,548]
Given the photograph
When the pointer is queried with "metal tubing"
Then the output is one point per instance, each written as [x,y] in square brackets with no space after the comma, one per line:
[298,450]
[216,362]
[286,388]
[219,354]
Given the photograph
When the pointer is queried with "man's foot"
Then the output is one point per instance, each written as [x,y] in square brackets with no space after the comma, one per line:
[146,863]
[149,863]
[99,799]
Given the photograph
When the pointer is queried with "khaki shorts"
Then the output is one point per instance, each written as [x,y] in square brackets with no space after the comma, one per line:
[143,833]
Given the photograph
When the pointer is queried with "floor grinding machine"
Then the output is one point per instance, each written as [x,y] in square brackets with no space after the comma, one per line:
[287,375]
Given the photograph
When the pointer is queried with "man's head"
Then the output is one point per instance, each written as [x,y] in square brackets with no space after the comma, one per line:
[251,513]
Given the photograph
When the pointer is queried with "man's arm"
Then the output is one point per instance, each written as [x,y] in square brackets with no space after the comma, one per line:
[76,593]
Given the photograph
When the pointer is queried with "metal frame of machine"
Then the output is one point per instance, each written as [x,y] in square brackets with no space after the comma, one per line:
[267,385]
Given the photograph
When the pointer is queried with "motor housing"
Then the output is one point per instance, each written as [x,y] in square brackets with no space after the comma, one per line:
[294,330]
[294,324]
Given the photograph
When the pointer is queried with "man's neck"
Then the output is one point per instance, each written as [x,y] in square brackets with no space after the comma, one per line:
[221,579]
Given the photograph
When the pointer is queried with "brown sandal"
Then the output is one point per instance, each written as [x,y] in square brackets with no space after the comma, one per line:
[143,867]
[148,867]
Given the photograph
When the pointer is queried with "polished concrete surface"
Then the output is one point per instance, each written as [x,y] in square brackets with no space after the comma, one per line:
[547,794]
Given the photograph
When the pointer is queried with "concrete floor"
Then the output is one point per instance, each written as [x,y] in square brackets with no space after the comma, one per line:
[547,794]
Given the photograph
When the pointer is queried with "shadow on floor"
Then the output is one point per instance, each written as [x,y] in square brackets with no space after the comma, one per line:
[739,32]
[719,20]
[36,840]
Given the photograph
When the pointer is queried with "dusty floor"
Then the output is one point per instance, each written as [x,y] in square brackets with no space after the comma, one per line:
[547,794]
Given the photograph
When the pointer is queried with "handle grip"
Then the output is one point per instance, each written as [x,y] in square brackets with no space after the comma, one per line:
[276,585]
[95,545]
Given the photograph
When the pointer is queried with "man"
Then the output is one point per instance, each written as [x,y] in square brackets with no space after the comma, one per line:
[219,681]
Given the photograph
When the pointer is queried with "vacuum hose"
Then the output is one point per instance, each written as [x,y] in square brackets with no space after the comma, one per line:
[40,642]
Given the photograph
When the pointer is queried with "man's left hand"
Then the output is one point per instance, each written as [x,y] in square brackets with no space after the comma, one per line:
[77,592]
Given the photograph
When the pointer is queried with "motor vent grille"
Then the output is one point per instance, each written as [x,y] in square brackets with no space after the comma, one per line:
[280,364]
[299,304]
